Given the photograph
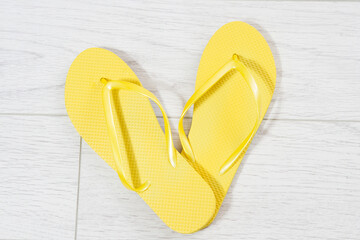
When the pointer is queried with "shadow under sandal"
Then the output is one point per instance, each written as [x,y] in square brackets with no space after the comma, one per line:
[111,110]
[234,86]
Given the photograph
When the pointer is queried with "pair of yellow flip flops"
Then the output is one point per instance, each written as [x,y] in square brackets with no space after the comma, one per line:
[111,110]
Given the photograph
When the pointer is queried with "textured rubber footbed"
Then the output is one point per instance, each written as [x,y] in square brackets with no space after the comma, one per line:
[225,115]
[179,196]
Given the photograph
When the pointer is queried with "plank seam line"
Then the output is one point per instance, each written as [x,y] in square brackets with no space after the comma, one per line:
[78,191]
[266,119]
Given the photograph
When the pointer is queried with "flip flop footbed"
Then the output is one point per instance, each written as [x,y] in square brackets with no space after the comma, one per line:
[179,196]
[225,115]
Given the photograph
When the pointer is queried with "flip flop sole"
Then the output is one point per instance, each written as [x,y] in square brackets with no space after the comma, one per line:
[179,196]
[225,115]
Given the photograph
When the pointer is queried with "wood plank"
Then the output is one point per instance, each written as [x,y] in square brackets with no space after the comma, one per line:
[315,45]
[39,166]
[299,179]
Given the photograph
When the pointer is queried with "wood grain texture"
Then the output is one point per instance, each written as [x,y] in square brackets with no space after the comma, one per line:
[315,46]
[298,180]
[39,163]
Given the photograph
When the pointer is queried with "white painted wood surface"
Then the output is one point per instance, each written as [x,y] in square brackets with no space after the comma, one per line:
[300,178]
[39,165]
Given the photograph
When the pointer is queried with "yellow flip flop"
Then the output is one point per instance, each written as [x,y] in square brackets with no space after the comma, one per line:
[234,87]
[111,110]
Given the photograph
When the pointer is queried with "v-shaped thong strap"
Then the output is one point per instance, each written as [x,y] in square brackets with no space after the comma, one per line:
[110,85]
[233,64]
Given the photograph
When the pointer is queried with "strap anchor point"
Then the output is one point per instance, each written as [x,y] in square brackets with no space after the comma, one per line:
[104,80]
[235,57]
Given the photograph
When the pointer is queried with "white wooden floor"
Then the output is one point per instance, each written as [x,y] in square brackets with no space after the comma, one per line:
[300,178]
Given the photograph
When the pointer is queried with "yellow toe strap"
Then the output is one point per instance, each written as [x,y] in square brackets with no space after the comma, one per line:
[233,64]
[110,85]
